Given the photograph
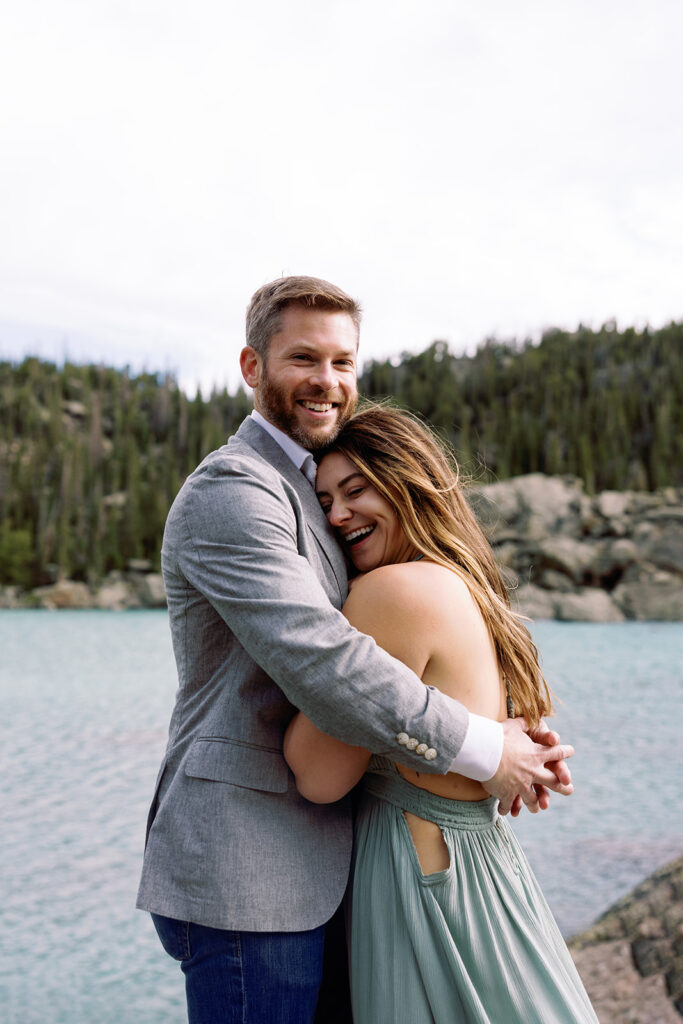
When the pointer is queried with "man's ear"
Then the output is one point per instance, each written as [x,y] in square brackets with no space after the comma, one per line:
[250,365]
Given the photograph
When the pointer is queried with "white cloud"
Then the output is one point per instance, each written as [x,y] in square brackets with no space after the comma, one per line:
[463,169]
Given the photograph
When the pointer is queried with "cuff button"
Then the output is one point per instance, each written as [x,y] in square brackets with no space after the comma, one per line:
[430,754]
[402,738]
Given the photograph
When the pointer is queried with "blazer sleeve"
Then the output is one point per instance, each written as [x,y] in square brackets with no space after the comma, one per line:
[235,541]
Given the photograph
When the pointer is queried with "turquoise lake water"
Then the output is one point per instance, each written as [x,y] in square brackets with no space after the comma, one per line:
[86,698]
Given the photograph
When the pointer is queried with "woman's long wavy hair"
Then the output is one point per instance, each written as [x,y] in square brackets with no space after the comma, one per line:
[418,476]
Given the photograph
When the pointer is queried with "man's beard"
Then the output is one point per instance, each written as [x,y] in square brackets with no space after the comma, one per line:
[279,408]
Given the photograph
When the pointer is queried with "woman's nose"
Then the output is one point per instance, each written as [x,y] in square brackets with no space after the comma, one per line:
[339,513]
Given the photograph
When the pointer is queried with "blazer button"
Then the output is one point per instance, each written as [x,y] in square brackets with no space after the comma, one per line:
[421,748]
[430,754]
[402,738]
[412,743]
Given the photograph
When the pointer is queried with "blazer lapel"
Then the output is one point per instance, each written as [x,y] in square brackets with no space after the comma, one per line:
[265,446]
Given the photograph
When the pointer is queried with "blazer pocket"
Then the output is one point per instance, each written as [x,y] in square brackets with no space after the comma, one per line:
[240,764]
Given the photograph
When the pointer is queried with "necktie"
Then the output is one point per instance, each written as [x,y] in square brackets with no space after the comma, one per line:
[309,469]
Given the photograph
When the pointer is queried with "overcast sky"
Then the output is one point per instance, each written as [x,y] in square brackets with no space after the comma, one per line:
[464,169]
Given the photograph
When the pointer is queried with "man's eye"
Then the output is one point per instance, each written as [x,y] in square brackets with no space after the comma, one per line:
[301,355]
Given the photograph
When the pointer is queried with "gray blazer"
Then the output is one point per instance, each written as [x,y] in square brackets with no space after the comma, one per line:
[255,580]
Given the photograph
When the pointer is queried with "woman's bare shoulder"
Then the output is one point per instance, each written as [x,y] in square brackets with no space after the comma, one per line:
[391,603]
[395,582]
[410,588]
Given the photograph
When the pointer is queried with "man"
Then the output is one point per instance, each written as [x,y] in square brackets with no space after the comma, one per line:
[241,874]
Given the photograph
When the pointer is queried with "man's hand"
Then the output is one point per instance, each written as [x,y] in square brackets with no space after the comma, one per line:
[531,766]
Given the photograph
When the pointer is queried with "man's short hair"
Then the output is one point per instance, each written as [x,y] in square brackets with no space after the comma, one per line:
[264,313]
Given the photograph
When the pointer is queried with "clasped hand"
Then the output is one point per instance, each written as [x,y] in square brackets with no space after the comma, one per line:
[532,764]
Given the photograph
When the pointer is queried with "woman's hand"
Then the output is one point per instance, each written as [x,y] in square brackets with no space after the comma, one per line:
[532,764]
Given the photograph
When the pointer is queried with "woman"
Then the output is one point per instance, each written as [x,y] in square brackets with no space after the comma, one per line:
[447,922]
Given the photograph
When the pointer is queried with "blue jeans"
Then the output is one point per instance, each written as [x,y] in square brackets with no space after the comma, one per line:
[245,977]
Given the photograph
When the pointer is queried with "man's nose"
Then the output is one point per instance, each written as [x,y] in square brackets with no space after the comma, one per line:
[324,375]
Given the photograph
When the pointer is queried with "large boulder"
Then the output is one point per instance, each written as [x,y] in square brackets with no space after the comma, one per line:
[121,591]
[116,595]
[598,558]
[566,555]
[533,602]
[63,594]
[612,558]
[664,546]
[631,959]
[651,595]
[11,597]
[587,605]
[152,590]
[530,506]
[613,504]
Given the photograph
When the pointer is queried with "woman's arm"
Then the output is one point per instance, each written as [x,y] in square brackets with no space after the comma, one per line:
[326,769]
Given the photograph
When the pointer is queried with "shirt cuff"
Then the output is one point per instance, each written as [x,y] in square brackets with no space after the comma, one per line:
[482,749]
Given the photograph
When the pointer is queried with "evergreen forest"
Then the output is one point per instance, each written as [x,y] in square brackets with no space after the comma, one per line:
[91,457]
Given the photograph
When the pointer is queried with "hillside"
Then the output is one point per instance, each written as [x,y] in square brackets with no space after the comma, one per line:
[91,456]
[604,406]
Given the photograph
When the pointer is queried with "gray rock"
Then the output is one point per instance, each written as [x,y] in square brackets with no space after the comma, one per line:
[11,597]
[115,500]
[613,504]
[152,591]
[572,557]
[506,554]
[587,605]
[598,558]
[116,595]
[664,548]
[551,504]
[552,579]
[530,506]
[77,410]
[533,602]
[497,508]
[652,596]
[139,565]
[63,594]
[613,557]
[631,959]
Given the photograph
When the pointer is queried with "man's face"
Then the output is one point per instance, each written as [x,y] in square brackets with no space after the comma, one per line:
[307,384]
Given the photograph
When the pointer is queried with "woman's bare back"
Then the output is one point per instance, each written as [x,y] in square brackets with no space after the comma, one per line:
[425,615]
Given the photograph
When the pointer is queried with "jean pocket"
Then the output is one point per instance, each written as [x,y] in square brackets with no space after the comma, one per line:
[174,936]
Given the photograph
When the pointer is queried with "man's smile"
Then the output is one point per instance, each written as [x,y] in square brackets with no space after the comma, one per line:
[319,407]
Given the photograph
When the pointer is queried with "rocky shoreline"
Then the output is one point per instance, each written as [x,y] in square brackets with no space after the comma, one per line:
[134,589]
[631,959]
[570,556]
[566,555]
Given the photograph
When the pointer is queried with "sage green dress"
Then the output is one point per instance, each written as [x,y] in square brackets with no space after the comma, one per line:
[473,944]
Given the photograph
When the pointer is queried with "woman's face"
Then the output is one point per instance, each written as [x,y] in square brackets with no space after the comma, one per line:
[365,522]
